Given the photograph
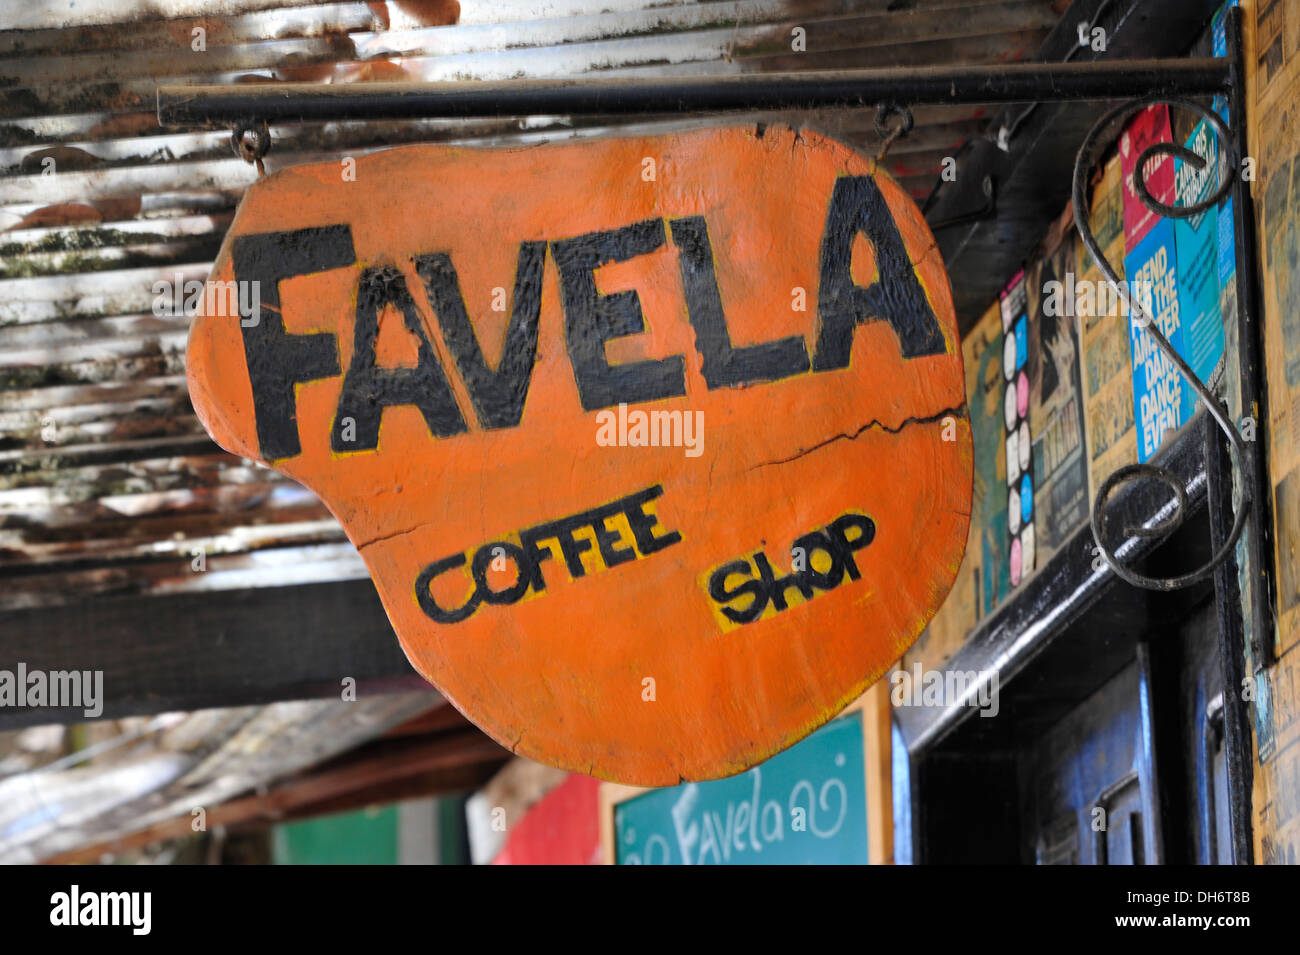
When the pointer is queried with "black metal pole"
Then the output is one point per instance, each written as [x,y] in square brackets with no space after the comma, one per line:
[1231,625]
[1258,557]
[1254,396]
[1004,83]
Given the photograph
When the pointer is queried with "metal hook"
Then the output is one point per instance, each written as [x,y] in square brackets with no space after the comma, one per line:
[1228,163]
[901,129]
[251,152]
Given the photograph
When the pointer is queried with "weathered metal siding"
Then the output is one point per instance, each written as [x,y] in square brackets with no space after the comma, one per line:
[107,481]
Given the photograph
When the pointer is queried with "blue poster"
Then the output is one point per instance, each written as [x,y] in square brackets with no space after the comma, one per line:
[807,804]
[1162,402]
[1197,242]
[1227,241]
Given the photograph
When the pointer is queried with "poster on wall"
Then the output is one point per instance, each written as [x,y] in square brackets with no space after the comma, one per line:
[1196,240]
[1176,268]
[1280,223]
[1162,401]
[983,581]
[1056,415]
[1103,323]
[1017,434]
[1145,129]
[1273,87]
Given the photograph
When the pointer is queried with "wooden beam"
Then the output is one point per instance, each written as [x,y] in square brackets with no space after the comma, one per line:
[460,779]
[876,729]
[197,650]
[438,719]
[377,772]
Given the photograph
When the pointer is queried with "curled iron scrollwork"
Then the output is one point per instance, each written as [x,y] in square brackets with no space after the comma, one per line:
[1229,162]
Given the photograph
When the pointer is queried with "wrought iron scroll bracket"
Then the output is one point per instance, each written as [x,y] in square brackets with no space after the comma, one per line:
[1229,163]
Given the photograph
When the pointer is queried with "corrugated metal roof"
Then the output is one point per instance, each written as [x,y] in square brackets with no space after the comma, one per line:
[107,481]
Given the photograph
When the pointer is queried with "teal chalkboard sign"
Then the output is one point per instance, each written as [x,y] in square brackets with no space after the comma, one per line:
[807,804]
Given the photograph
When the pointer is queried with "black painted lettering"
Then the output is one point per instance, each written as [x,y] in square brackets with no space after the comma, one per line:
[725,366]
[643,524]
[483,559]
[527,556]
[530,539]
[276,359]
[723,594]
[607,540]
[777,586]
[895,297]
[572,548]
[431,607]
[838,532]
[369,389]
[498,396]
[839,540]
[592,319]
[810,544]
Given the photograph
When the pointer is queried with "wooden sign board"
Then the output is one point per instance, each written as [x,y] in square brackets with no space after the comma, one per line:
[826,800]
[656,449]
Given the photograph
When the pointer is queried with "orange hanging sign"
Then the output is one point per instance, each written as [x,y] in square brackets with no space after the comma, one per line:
[655,448]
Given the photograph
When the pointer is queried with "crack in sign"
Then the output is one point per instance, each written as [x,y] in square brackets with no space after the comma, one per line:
[875,423]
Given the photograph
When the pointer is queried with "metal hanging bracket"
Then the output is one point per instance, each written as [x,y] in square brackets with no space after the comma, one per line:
[1228,165]
[1005,83]
[1140,82]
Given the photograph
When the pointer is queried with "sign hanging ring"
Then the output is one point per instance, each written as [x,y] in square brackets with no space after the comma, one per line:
[251,140]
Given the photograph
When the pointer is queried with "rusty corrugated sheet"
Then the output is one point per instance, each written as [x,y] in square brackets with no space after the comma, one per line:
[179,762]
[107,481]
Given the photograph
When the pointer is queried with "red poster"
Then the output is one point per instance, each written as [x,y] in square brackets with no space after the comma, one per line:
[1146,128]
[563,828]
